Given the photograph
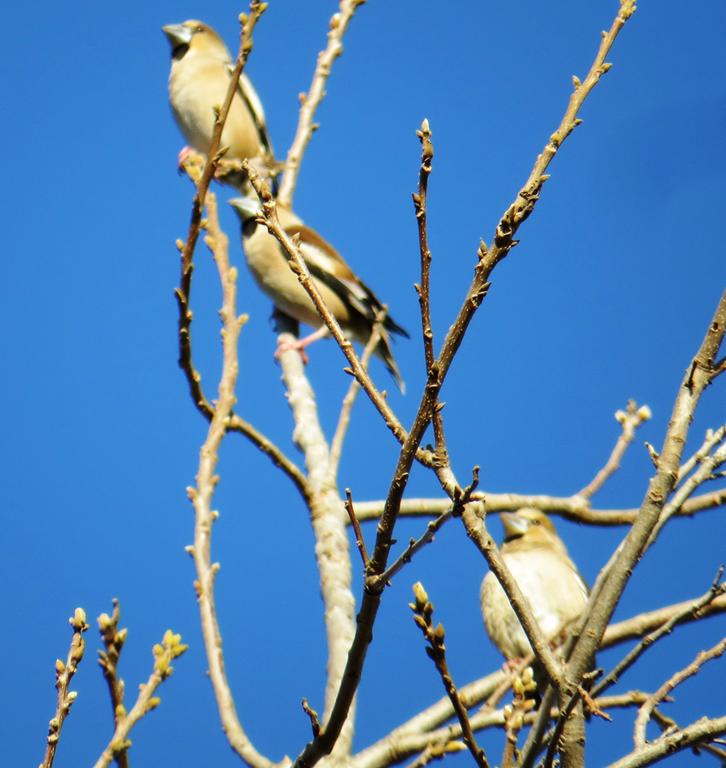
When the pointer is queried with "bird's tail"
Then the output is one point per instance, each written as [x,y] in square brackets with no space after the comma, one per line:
[383,350]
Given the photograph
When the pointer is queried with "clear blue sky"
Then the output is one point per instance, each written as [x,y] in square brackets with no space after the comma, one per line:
[606,298]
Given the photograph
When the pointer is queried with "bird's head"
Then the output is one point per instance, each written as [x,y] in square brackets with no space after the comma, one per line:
[248,209]
[530,528]
[194,35]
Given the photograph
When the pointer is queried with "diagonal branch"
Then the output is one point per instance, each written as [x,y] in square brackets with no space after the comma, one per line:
[646,709]
[702,730]
[169,649]
[311,101]
[341,430]
[436,651]
[629,419]
[64,672]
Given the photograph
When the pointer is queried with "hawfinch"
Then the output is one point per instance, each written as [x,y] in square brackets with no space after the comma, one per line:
[200,71]
[352,303]
[549,581]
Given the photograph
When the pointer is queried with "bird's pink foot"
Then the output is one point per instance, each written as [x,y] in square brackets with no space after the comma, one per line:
[286,342]
[285,345]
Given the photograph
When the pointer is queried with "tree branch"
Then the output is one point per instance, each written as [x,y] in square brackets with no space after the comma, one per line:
[629,419]
[201,496]
[113,641]
[63,675]
[309,102]
[436,651]
[573,508]
[702,730]
[170,648]
[644,713]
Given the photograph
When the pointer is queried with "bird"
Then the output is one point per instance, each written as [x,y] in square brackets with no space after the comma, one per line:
[352,303]
[201,67]
[548,579]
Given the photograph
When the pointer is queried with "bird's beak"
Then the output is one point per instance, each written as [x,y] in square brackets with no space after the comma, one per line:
[177,35]
[245,207]
[514,525]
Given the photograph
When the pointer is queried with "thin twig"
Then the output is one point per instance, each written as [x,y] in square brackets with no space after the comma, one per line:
[113,641]
[63,674]
[488,258]
[316,93]
[202,182]
[359,541]
[437,751]
[629,419]
[201,173]
[614,577]
[712,439]
[201,496]
[436,651]
[650,639]
[414,545]
[424,290]
[644,713]
[313,715]
[706,469]
[341,430]
[170,648]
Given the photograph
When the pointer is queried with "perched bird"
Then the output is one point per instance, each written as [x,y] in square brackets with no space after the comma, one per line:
[352,303]
[549,581]
[201,68]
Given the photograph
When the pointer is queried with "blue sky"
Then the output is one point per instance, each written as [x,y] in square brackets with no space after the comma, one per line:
[606,298]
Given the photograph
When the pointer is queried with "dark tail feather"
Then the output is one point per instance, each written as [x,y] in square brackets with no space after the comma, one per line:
[383,350]
[391,325]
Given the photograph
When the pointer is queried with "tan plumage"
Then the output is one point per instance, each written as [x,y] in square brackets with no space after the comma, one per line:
[549,581]
[201,67]
[352,303]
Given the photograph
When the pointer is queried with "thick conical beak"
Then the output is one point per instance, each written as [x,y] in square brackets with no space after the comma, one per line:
[246,207]
[177,34]
[514,525]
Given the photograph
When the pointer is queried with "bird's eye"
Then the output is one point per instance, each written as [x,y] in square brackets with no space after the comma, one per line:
[536,522]
[199,28]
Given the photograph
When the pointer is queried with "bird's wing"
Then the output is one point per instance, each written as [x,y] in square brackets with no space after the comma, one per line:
[328,266]
[254,105]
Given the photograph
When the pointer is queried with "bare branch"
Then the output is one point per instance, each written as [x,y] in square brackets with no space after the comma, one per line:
[573,508]
[392,748]
[712,439]
[201,496]
[113,640]
[602,602]
[309,102]
[643,623]
[424,290]
[436,651]
[644,713]
[414,545]
[63,675]
[328,519]
[202,179]
[359,541]
[649,640]
[170,648]
[629,419]
[341,430]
